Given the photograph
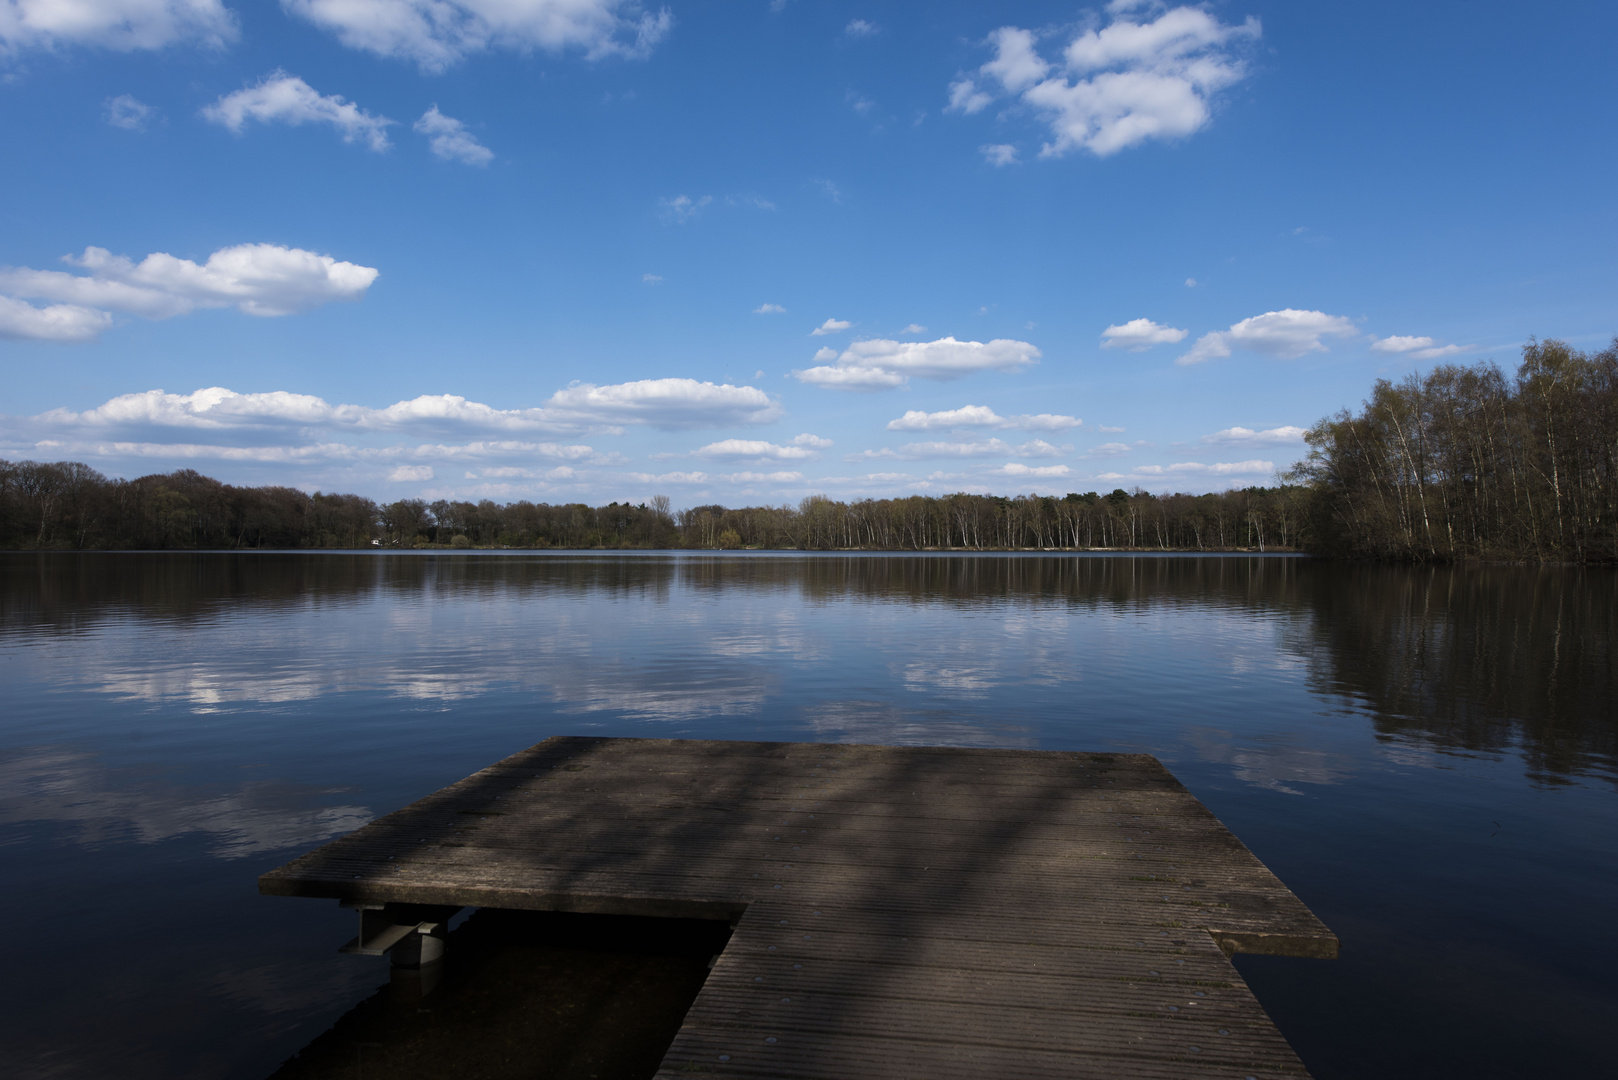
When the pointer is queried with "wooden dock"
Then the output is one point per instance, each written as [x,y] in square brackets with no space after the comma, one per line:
[918,912]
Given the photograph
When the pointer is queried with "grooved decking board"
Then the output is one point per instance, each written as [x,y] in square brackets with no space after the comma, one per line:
[919,912]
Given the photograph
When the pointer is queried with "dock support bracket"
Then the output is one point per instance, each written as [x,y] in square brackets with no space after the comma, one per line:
[412,935]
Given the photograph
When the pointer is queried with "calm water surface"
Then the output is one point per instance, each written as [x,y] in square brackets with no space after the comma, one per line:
[1426,756]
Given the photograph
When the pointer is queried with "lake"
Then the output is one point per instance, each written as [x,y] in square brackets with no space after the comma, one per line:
[1427,756]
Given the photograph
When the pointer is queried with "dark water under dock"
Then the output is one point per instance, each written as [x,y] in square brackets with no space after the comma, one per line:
[1427,757]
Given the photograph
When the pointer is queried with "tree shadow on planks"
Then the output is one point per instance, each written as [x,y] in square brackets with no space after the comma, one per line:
[535,995]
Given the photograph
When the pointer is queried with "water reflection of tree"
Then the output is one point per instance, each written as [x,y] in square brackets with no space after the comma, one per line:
[1485,659]
[1477,659]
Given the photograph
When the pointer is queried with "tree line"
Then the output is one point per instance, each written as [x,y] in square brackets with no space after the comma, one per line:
[1466,463]
[70,506]
[1461,463]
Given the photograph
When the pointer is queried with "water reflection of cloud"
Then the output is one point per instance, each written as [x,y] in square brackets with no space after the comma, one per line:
[215,688]
[1271,766]
[891,725]
[71,788]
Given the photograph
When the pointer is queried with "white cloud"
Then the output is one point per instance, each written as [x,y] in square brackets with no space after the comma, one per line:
[263,417]
[286,99]
[121,25]
[666,403]
[1421,348]
[830,326]
[408,473]
[1190,282]
[450,140]
[1240,436]
[1018,469]
[1111,449]
[769,309]
[1105,430]
[1400,344]
[438,33]
[259,279]
[1187,469]
[830,189]
[1441,350]
[782,477]
[21,321]
[914,328]
[980,416]
[860,28]
[803,448]
[965,97]
[859,102]
[1138,335]
[127,112]
[651,279]
[671,477]
[879,363]
[682,208]
[998,154]
[975,449]
[1286,335]
[1119,85]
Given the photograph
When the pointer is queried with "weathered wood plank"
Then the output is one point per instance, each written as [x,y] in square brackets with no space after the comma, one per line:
[898,911]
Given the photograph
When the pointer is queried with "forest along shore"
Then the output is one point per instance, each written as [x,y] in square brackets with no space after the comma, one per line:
[1463,463]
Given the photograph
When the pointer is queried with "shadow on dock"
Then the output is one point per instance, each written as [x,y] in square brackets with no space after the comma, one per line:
[535,995]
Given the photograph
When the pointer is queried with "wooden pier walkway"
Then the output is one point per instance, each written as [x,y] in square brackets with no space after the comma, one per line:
[918,912]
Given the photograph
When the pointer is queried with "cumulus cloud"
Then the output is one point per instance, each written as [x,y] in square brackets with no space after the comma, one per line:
[860,28]
[914,328]
[1114,86]
[666,403]
[980,416]
[998,154]
[769,309]
[1138,335]
[280,98]
[450,140]
[127,112]
[1286,335]
[880,364]
[436,34]
[805,447]
[682,208]
[1240,436]
[1421,348]
[1018,469]
[406,473]
[120,25]
[651,279]
[22,321]
[830,326]
[259,279]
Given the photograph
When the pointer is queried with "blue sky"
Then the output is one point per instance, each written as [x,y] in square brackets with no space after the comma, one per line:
[744,252]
